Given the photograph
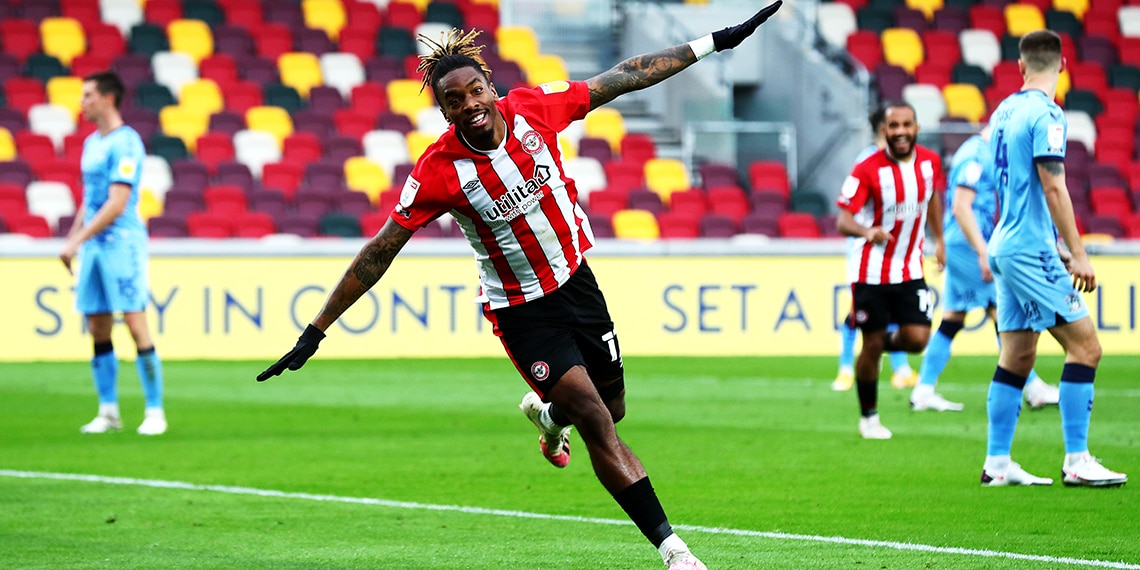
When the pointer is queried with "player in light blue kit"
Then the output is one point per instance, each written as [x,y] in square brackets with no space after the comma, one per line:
[903,376]
[969,223]
[110,239]
[1039,285]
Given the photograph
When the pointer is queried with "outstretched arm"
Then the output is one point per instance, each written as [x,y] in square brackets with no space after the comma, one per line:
[641,71]
[364,271]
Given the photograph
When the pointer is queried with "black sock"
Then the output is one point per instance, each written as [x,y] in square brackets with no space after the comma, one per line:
[557,416]
[888,344]
[950,328]
[104,347]
[639,501]
[868,391]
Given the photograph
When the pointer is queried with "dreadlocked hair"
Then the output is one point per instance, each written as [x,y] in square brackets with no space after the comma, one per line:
[455,49]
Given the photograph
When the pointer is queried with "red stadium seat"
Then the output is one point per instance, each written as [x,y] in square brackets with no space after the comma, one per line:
[29,225]
[225,200]
[20,37]
[208,225]
[271,40]
[606,202]
[624,176]
[214,148]
[798,225]
[302,147]
[283,176]
[692,203]
[729,201]
[253,225]
[162,12]
[676,225]
[865,47]
[638,147]
[769,174]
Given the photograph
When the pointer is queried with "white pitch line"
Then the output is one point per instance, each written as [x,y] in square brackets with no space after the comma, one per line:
[160,484]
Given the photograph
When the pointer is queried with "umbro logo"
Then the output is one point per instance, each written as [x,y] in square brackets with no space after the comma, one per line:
[472,185]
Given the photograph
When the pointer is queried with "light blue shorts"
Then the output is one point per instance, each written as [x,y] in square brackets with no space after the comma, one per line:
[1035,292]
[963,288]
[112,277]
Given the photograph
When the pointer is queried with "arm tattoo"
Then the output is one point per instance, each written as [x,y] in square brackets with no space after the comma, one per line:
[375,259]
[1054,167]
[639,72]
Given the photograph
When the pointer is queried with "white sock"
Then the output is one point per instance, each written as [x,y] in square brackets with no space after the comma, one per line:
[997,462]
[155,413]
[547,423]
[1071,458]
[672,543]
[850,371]
[922,390]
[109,410]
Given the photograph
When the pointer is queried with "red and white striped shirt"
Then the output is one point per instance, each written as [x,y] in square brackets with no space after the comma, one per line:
[884,192]
[515,204]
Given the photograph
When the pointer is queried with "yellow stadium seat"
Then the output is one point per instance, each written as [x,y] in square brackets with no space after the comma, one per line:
[1077,7]
[149,205]
[363,175]
[606,123]
[927,7]
[902,47]
[1064,83]
[327,15]
[65,91]
[63,38]
[203,95]
[516,43]
[635,224]
[964,100]
[191,37]
[300,70]
[567,147]
[664,176]
[273,120]
[418,141]
[494,3]
[405,97]
[1020,19]
[7,145]
[186,124]
[543,68]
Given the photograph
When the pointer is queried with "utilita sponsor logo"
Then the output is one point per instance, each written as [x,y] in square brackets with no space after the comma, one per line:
[520,198]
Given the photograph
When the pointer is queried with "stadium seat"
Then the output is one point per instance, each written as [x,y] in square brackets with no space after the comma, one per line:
[272,120]
[928,102]
[123,14]
[729,201]
[302,147]
[284,177]
[1021,19]
[434,30]
[587,174]
[835,22]
[386,148]
[364,175]
[1081,128]
[1129,20]
[147,39]
[395,42]
[253,225]
[7,146]
[607,124]
[225,200]
[405,97]
[605,203]
[638,147]
[798,225]
[13,201]
[300,70]
[964,100]
[674,225]
[20,37]
[30,225]
[980,48]
[430,120]
[344,71]
[325,15]
[405,15]
[902,47]
[417,143]
[665,176]
[516,43]
[52,120]
[63,38]
[865,47]
[875,19]
[44,67]
[208,225]
[337,224]
[202,95]
[174,70]
[544,68]
[50,200]
[769,174]
[624,176]
[648,200]
[156,176]
[445,13]
[186,124]
[192,38]
[35,149]
[635,224]
[256,148]
[66,92]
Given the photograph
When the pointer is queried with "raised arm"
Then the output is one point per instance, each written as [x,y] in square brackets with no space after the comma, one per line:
[369,265]
[645,70]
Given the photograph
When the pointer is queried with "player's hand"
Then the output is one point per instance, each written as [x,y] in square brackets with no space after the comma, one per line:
[1084,278]
[67,255]
[1066,258]
[731,37]
[294,359]
[878,236]
[984,265]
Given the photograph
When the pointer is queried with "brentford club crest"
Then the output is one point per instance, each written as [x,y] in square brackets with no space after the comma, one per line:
[860,316]
[540,370]
[532,142]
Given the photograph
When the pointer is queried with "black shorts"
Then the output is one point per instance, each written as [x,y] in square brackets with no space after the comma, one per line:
[907,303]
[548,336]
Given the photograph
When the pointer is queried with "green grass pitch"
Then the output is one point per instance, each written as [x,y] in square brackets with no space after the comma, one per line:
[429,464]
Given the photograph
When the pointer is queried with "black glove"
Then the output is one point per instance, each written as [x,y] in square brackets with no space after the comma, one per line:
[305,348]
[729,38]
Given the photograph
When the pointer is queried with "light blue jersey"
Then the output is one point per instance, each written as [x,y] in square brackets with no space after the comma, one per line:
[1026,127]
[972,167]
[112,275]
[114,158]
